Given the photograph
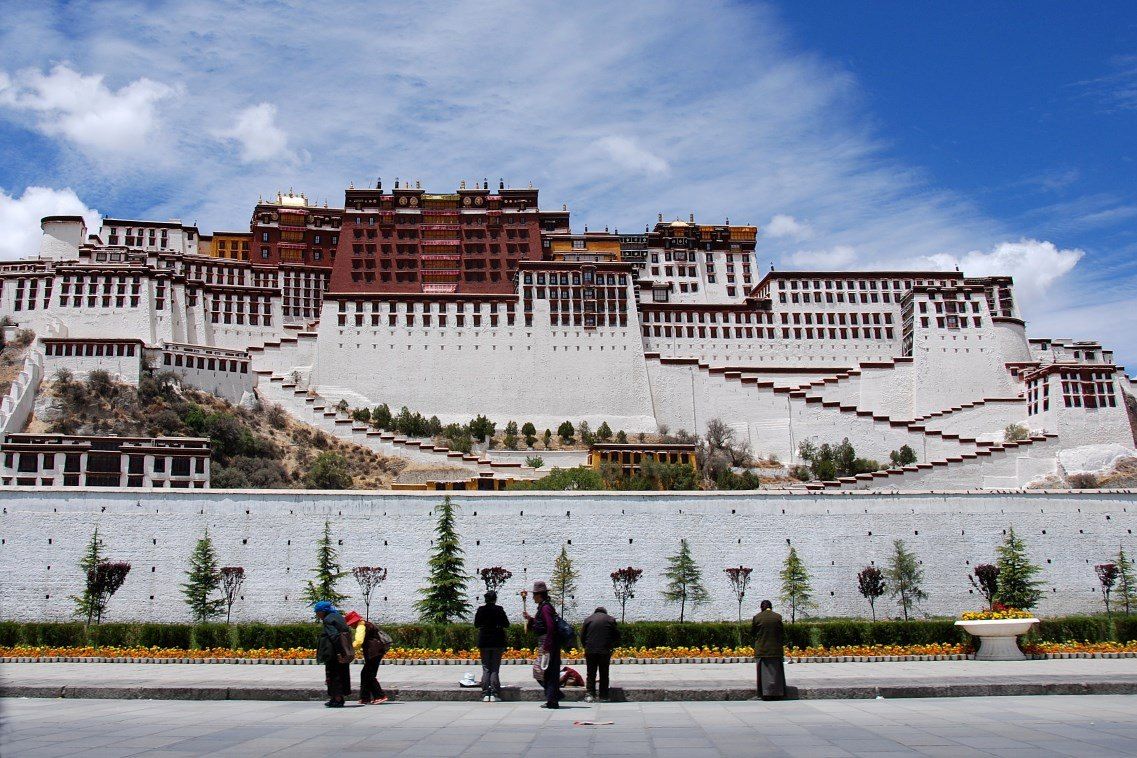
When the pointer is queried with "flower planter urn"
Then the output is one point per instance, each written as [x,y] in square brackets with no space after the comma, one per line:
[998,638]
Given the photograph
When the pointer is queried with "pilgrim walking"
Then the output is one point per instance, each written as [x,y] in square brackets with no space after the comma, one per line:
[766,628]
[334,649]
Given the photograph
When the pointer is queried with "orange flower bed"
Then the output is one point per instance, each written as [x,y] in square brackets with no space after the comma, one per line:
[525,654]
[1072,646]
[998,614]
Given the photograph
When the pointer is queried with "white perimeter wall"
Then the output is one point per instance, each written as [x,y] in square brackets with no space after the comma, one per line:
[273,535]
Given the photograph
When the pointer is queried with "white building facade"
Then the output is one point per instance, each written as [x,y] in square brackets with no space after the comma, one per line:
[682,332]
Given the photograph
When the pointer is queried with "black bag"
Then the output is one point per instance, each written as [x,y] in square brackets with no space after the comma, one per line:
[347,648]
[566,635]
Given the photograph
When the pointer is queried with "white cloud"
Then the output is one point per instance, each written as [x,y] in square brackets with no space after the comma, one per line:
[629,155]
[782,225]
[838,256]
[20,217]
[1036,265]
[258,135]
[84,110]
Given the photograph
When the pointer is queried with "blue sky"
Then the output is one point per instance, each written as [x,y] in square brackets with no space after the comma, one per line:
[857,135]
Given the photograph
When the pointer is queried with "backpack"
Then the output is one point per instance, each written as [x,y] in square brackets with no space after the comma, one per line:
[376,643]
[566,635]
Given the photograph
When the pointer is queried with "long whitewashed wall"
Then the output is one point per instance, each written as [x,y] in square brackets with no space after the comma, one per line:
[541,374]
[273,535]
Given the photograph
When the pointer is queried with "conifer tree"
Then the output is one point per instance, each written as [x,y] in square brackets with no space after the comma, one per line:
[202,580]
[797,592]
[1018,587]
[562,584]
[684,581]
[85,604]
[905,578]
[327,572]
[444,597]
[1126,582]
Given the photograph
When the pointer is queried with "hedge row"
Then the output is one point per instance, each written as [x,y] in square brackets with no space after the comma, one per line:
[463,636]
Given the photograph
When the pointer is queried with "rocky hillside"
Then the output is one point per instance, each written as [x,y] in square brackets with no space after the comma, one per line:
[253,447]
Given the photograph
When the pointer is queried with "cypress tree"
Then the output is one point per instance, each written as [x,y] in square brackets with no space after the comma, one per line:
[562,584]
[905,578]
[327,572]
[86,604]
[202,580]
[444,597]
[684,580]
[1018,587]
[796,589]
[1126,582]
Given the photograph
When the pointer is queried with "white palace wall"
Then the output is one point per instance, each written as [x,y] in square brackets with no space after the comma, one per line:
[541,373]
[273,535]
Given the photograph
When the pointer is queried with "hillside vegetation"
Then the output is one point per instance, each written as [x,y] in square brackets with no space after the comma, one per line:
[259,447]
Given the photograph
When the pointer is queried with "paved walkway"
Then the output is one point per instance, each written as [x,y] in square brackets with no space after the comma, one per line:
[729,681]
[1011,726]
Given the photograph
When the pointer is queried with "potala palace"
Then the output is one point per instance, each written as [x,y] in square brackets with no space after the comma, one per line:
[480,302]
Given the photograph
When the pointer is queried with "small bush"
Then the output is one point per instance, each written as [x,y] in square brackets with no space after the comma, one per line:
[24,337]
[1015,433]
[1082,481]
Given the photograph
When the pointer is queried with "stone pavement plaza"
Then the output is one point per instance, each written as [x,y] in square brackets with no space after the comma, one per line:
[1008,726]
[652,681]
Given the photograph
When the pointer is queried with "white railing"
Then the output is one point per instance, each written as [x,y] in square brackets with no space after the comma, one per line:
[17,405]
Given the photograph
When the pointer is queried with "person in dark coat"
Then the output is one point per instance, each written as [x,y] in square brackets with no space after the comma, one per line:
[599,636]
[769,652]
[544,625]
[328,649]
[491,623]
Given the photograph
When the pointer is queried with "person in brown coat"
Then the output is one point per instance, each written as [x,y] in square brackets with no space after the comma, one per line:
[599,636]
[766,628]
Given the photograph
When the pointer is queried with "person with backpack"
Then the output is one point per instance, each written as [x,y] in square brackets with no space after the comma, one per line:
[335,651]
[491,623]
[372,643]
[544,625]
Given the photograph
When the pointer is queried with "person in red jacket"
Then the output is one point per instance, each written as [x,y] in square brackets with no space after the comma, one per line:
[544,625]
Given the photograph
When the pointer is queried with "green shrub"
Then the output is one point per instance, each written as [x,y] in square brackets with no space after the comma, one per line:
[165,635]
[830,633]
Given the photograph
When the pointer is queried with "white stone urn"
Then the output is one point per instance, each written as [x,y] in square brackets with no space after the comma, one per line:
[998,638]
